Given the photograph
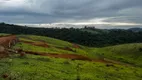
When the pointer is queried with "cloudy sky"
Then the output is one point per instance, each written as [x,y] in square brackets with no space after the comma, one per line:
[66,13]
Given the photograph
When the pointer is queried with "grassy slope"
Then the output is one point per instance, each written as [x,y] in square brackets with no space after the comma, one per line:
[53,43]
[128,53]
[33,67]
[3,34]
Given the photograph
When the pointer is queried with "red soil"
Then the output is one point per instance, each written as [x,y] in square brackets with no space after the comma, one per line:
[66,48]
[66,56]
[5,76]
[42,44]
[3,54]
[101,60]
[6,42]
[69,56]
[75,46]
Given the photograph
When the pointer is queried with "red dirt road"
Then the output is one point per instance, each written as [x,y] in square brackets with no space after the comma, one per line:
[65,56]
[6,42]
[42,44]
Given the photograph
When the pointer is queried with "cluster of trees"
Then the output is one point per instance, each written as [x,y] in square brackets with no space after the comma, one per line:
[84,36]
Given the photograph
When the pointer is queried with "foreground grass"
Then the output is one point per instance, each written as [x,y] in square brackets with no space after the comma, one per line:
[33,67]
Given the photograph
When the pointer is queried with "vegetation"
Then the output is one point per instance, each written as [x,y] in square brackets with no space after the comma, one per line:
[85,36]
[3,34]
[36,67]
[106,62]
[127,53]
[44,68]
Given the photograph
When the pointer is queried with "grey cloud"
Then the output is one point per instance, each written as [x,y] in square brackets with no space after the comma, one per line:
[52,11]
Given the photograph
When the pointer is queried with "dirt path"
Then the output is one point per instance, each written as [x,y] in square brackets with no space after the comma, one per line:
[55,55]
[45,45]
[41,44]
[65,56]
[6,42]
[108,62]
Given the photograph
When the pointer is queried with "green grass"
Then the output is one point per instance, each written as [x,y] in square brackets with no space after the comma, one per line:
[128,53]
[47,40]
[53,43]
[3,34]
[34,67]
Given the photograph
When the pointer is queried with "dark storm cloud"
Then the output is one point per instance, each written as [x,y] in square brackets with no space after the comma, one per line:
[54,11]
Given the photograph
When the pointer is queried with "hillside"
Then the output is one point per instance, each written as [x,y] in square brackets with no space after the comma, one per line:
[45,58]
[84,36]
[127,53]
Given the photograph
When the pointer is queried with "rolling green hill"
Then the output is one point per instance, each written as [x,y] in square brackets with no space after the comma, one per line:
[120,62]
[128,53]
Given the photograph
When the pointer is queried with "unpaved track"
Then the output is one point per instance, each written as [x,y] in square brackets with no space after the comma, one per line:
[75,57]
[41,44]
[45,45]
[55,55]
[6,42]
[65,56]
